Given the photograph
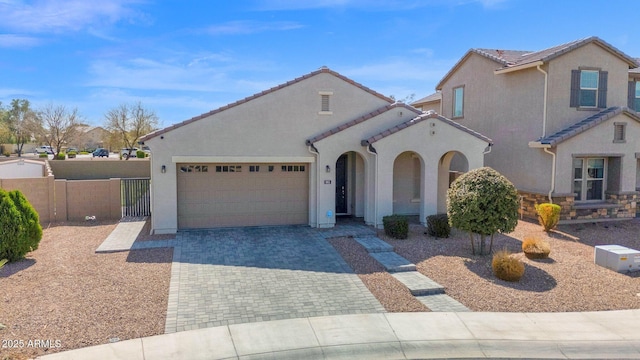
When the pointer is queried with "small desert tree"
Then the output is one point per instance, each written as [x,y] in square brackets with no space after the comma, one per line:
[21,121]
[482,202]
[131,122]
[58,126]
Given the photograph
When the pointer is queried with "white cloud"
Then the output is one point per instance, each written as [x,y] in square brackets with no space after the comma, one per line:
[18,41]
[11,93]
[41,16]
[245,27]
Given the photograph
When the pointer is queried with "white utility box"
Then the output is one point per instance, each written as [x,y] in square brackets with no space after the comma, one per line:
[617,258]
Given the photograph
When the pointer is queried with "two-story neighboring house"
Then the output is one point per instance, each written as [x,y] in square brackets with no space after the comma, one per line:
[563,123]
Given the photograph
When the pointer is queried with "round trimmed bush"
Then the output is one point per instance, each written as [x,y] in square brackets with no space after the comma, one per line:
[396,226]
[507,267]
[535,248]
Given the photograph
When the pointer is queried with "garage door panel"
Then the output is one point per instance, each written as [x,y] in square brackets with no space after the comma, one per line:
[214,198]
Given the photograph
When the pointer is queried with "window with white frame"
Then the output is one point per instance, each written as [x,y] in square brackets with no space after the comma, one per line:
[589,88]
[589,178]
[458,102]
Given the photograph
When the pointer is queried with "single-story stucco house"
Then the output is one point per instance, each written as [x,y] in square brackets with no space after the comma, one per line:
[304,152]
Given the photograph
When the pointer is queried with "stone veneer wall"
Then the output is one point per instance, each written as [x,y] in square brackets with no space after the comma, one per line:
[622,205]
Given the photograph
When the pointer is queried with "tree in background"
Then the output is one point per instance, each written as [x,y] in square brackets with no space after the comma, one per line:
[482,202]
[57,126]
[131,122]
[21,121]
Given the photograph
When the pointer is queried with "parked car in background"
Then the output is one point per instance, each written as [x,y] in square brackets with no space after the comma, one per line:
[124,152]
[44,149]
[100,152]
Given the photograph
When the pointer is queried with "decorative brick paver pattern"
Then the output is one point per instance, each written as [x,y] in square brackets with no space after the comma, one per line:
[240,275]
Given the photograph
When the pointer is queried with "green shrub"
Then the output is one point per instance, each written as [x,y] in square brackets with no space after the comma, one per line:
[71,154]
[10,228]
[548,215]
[43,155]
[61,156]
[438,225]
[20,230]
[396,226]
[506,267]
[6,153]
[482,202]
[30,220]
[140,154]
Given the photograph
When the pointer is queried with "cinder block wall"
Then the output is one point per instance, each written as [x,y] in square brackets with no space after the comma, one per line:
[80,169]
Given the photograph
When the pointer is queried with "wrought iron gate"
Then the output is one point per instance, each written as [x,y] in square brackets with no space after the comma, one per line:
[136,197]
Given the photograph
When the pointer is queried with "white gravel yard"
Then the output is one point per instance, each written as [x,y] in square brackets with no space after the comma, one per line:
[65,296]
[567,281]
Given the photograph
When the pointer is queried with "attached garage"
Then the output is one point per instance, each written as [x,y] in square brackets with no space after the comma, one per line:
[219,195]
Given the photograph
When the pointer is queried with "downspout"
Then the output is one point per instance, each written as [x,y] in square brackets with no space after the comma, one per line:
[544,132]
[312,149]
[553,172]
[371,150]
[544,102]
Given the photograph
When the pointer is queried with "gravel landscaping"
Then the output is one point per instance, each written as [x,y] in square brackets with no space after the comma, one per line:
[66,294]
[567,281]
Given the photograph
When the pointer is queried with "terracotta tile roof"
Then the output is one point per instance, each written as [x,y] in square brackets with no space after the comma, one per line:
[553,52]
[514,58]
[322,70]
[361,119]
[437,96]
[418,119]
[587,124]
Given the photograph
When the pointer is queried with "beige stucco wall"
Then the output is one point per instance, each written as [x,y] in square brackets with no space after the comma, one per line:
[273,126]
[508,109]
[81,169]
[17,169]
[559,114]
[598,141]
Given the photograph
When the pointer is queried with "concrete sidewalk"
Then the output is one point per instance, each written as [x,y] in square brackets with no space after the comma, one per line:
[594,335]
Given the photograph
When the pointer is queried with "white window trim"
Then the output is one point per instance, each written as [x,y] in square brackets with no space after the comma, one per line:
[585,178]
[591,89]
[453,102]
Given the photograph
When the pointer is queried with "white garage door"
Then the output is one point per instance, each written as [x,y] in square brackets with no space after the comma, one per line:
[219,195]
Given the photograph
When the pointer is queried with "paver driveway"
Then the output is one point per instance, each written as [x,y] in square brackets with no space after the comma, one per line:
[240,275]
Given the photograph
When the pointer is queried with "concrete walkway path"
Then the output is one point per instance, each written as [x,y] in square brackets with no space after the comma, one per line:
[123,236]
[476,335]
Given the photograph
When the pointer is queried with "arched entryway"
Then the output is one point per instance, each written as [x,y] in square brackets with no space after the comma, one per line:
[350,184]
[407,183]
[451,165]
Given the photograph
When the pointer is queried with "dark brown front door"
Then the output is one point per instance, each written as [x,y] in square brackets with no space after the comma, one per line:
[341,185]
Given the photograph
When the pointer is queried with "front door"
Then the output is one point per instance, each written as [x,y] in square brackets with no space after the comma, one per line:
[341,185]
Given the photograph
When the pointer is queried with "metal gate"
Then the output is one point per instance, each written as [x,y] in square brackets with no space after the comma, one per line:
[136,197]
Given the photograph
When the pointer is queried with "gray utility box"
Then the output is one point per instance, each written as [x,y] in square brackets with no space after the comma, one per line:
[617,258]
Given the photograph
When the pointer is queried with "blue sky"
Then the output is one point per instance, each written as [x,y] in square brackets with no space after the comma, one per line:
[184,58]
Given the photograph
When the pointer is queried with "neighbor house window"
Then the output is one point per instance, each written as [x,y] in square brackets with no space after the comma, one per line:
[634,95]
[588,89]
[619,132]
[458,102]
[325,102]
[589,178]
[636,104]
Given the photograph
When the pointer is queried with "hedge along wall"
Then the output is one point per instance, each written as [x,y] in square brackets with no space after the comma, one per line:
[91,169]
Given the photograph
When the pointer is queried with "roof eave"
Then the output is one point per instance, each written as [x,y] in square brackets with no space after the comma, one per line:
[518,67]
